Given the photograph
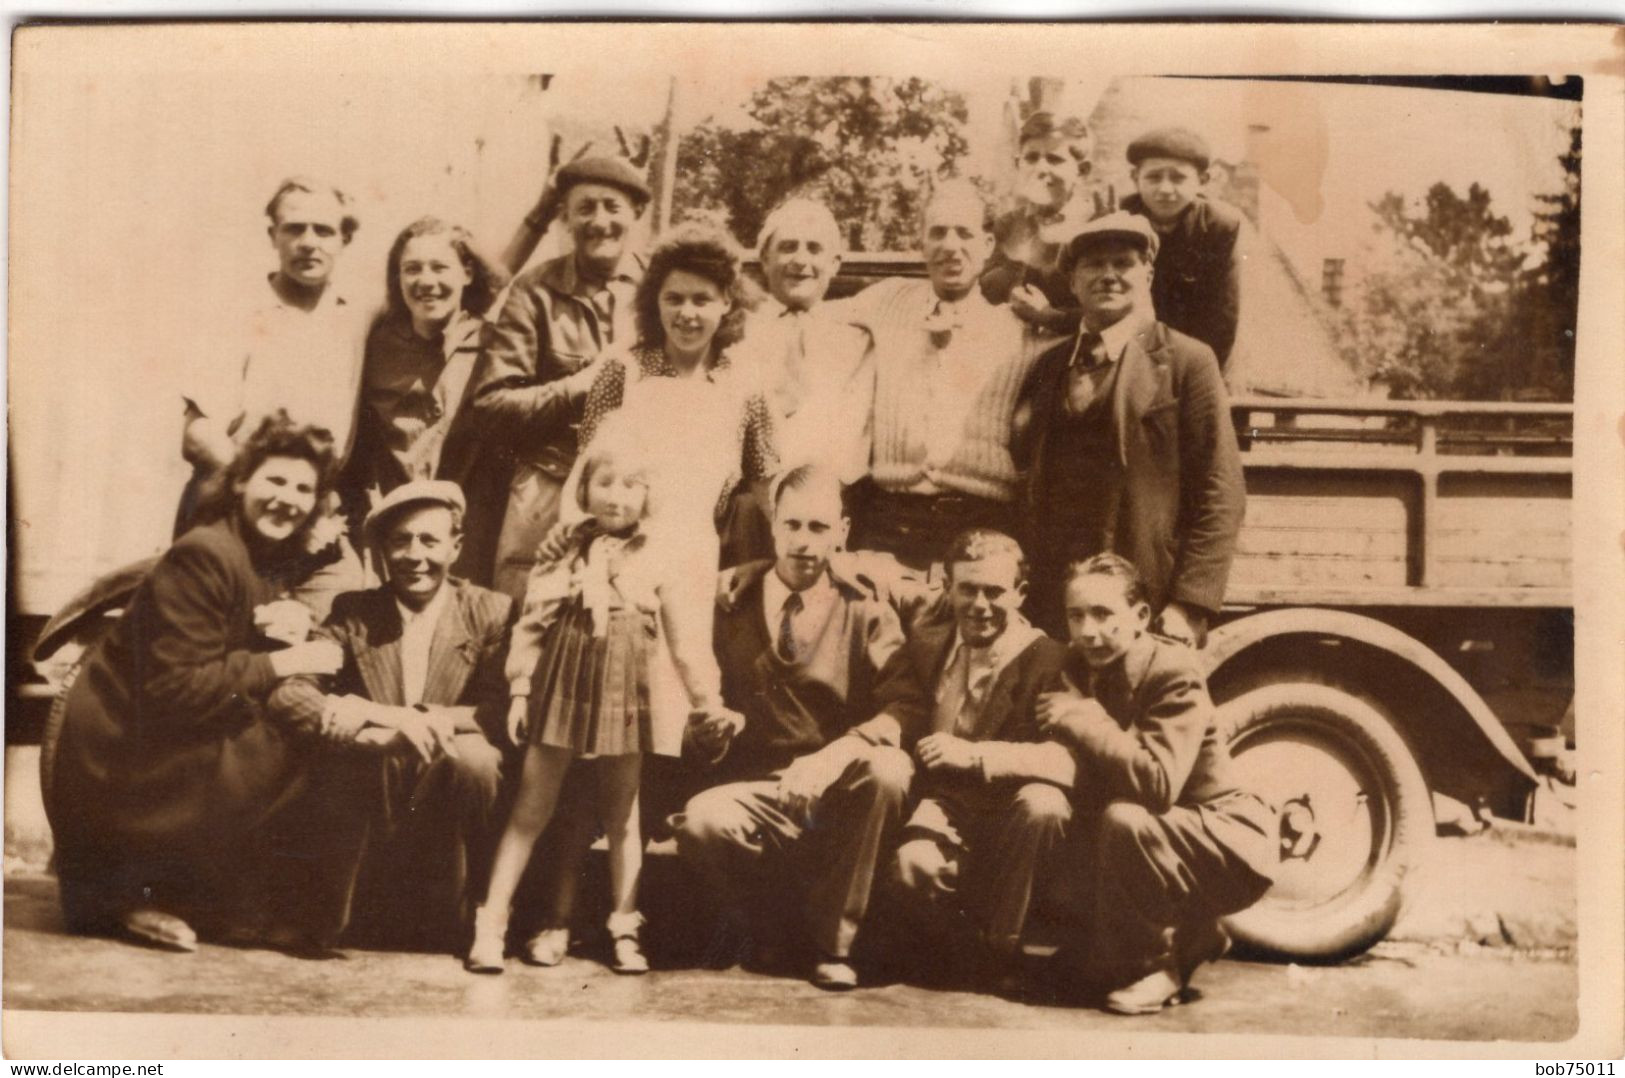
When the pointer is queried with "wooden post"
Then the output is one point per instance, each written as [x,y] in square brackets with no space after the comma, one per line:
[663,173]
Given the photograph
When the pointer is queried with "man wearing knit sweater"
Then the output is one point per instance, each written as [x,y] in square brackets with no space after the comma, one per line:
[949,366]
[801,651]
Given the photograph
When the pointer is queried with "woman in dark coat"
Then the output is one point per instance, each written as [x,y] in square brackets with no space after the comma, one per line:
[173,799]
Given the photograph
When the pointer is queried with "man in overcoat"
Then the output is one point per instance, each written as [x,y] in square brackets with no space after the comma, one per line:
[1126,443]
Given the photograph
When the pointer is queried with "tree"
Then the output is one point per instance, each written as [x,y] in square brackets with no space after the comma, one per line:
[1551,297]
[867,146]
[1434,319]
[1455,308]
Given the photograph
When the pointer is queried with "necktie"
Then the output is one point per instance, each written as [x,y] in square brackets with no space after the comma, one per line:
[1091,352]
[787,633]
[942,322]
[975,674]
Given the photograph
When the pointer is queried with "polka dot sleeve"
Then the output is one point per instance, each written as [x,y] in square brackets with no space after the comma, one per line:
[760,457]
[606,395]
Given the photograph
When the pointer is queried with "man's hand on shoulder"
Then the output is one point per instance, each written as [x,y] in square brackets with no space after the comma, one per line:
[1186,624]
[1070,716]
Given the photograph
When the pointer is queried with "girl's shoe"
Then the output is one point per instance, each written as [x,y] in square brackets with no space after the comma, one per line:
[485,954]
[627,956]
[547,947]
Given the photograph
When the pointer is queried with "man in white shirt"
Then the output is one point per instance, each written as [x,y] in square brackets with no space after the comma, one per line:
[949,366]
[296,346]
[302,345]
[993,792]
[816,371]
[422,681]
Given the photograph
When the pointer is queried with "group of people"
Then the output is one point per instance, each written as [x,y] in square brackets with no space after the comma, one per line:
[884,607]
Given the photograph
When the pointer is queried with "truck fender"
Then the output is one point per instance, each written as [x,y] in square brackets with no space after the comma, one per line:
[1234,637]
[105,593]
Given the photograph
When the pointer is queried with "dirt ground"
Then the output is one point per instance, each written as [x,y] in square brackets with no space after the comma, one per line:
[1485,950]
[1454,969]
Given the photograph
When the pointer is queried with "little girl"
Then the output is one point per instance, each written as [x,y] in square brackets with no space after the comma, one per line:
[589,643]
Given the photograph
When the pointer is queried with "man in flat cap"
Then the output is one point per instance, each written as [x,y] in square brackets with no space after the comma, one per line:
[1197,287]
[514,445]
[422,682]
[1126,443]
[1052,161]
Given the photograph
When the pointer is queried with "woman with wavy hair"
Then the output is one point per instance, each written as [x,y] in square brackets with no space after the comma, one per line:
[678,383]
[173,799]
[420,353]
[711,455]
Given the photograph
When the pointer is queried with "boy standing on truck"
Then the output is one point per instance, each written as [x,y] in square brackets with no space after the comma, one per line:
[1196,288]
[1168,842]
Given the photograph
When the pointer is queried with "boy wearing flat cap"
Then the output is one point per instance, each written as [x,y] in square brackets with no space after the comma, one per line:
[1197,284]
[1124,439]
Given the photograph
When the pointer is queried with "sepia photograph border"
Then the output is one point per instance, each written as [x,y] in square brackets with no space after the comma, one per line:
[1596,52]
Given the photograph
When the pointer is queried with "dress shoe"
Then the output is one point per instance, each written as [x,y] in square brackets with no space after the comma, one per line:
[159,929]
[834,974]
[1148,995]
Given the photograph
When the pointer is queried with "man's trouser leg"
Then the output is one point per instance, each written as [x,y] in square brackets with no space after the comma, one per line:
[725,834]
[851,826]
[1015,853]
[728,830]
[1153,874]
[986,849]
[444,829]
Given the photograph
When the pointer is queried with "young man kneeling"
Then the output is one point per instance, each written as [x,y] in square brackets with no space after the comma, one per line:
[1169,843]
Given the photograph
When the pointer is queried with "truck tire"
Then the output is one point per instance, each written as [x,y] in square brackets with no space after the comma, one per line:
[51,738]
[1355,817]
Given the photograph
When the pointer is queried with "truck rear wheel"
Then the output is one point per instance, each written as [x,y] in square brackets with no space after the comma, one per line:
[1355,816]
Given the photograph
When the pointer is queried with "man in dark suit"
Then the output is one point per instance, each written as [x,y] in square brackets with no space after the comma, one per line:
[994,794]
[421,681]
[801,650]
[1125,438]
[1166,842]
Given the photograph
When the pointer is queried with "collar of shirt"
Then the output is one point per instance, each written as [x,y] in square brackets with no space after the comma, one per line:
[993,658]
[953,313]
[414,620]
[1114,340]
[565,276]
[331,297]
[462,331]
[815,600]
[654,363]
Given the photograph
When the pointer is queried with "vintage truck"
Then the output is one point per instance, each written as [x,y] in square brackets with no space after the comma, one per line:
[1398,624]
